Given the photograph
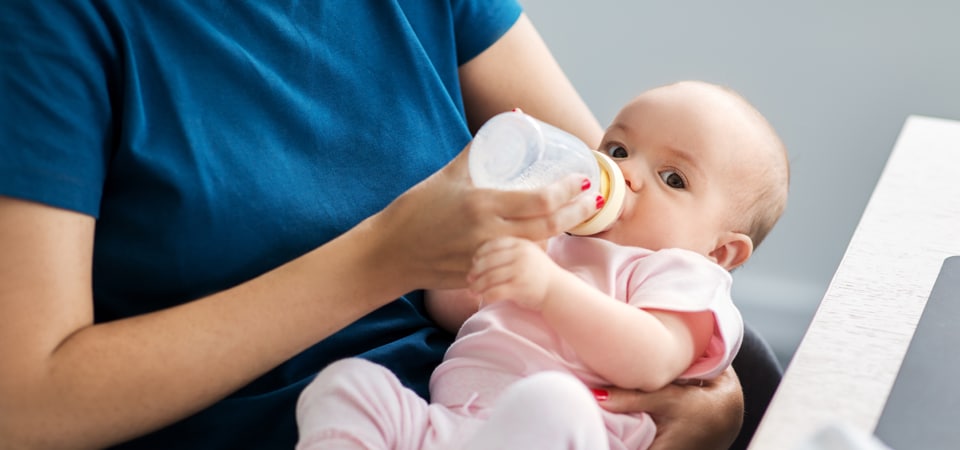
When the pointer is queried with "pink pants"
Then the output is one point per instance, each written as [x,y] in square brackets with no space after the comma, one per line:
[356,404]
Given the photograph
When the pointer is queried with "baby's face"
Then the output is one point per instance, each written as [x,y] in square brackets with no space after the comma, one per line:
[687,152]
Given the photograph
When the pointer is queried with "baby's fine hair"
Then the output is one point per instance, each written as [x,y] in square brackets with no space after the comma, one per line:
[766,199]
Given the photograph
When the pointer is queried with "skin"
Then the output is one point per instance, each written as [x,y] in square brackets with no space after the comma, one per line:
[679,424]
[656,346]
[99,384]
[688,154]
[685,151]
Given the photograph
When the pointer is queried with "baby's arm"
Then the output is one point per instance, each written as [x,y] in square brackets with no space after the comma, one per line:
[450,307]
[630,347]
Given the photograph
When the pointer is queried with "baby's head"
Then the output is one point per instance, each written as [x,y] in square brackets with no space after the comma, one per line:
[705,171]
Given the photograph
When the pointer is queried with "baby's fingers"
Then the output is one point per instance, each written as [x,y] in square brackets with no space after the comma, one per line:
[491,255]
[494,246]
[491,284]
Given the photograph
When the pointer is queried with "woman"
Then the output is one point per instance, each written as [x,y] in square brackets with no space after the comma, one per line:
[204,203]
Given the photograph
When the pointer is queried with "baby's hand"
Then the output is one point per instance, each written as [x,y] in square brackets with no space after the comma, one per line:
[510,268]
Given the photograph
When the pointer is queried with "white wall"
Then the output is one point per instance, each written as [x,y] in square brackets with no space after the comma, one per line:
[836,78]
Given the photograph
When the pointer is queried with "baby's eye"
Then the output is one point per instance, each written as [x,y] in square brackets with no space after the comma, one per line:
[616,151]
[673,179]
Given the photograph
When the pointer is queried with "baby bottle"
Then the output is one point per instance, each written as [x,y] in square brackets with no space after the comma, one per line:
[514,151]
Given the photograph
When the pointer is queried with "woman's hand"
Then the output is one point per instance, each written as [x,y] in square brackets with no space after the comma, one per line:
[690,416]
[429,234]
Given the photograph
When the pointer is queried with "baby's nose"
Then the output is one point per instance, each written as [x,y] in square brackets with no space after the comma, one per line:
[633,184]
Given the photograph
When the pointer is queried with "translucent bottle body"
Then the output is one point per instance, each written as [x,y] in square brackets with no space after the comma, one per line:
[514,151]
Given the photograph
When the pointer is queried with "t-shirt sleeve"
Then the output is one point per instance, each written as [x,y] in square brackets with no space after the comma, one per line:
[480,23]
[55,114]
[679,280]
[723,346]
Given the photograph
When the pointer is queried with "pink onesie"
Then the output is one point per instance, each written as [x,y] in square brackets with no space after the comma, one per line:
[503,344]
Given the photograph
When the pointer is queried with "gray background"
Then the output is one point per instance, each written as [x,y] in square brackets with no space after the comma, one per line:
[836,78]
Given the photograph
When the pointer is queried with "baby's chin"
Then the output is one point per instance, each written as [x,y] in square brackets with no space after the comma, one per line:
[601,235]
[616,238]
[610,236]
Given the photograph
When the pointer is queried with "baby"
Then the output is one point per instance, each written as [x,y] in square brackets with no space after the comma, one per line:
[640,305]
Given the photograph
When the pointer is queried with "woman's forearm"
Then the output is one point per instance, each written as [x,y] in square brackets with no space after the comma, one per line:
[108,382]
[66,382]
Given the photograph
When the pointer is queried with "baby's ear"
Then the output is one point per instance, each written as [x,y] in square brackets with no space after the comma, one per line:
[733,249]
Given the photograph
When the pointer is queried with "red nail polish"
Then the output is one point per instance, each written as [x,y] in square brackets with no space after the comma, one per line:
[600,394]
[585,184]
[601,201]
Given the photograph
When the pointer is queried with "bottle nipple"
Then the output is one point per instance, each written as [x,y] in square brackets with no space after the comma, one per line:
[613,188]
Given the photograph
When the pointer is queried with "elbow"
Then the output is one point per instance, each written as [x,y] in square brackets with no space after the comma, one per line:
[647,371]
[10,416]
[13,433]
[14,429]
[644,377]
[16,409]
[656,383]
[649,383]
[35,431]
[24,423]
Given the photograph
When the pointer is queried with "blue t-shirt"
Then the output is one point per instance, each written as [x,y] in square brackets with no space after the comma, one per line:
[214,141]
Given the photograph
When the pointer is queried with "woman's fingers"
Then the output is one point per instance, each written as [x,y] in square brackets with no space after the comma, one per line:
[546,212]
[528,204]
[434,229]
[688,416]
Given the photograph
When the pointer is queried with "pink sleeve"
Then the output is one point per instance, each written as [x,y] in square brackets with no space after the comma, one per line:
[679,280]
[722,348]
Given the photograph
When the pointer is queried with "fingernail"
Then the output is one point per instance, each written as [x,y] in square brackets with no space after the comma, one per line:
[600,394]
[600,201]
[585,184]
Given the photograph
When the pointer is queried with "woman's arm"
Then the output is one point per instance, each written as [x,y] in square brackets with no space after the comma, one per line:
[518,71]
[108,382]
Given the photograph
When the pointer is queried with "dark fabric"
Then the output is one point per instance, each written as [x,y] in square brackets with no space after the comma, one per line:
[216,140]
[760,374]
